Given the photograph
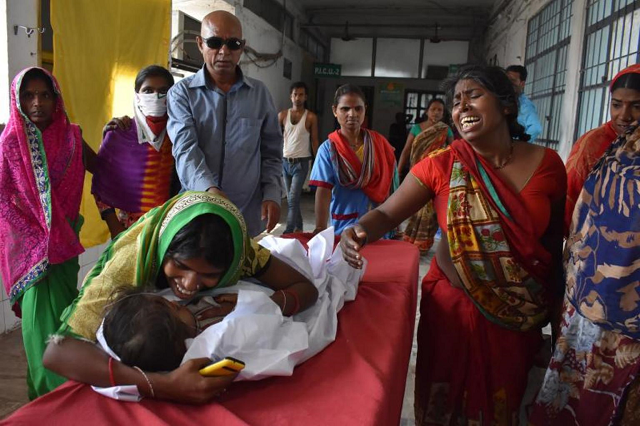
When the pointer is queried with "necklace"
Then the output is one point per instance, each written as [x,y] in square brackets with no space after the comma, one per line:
[507,161]
[357,144]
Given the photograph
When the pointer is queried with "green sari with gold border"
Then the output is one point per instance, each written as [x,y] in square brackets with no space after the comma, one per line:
[134,258]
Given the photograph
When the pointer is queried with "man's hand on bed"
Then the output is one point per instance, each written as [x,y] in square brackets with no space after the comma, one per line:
[227,304]
[186,385]
[352,240]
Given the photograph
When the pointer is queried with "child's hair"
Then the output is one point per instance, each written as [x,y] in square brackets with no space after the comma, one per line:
[144,331]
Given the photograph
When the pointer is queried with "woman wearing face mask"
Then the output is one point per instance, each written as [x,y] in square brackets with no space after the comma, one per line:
[41,180]
[136,170]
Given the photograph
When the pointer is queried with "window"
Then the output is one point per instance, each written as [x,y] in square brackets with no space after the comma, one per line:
[272,12]
[311,44]
[287,69]
[342,52]
[397,57]
[548,38]
[415,103]
[443,54]
[611,44]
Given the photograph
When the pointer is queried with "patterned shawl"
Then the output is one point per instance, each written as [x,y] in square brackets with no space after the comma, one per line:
[132,176]
[427,141]
[502,265]
[603,250]
[374,175]
[586,152]
[41,179]
[135,256]
[584,155]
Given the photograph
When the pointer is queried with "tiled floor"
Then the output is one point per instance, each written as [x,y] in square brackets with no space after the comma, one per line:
[13,365]
[13,388]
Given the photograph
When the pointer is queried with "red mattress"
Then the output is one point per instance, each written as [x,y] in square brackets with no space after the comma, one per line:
[358,380]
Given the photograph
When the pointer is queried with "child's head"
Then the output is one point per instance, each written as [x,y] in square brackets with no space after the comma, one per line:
[148,331]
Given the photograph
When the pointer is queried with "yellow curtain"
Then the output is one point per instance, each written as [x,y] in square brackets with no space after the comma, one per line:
[98,48]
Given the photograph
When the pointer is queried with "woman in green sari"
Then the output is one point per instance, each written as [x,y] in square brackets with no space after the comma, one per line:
[194,241]
[42,166]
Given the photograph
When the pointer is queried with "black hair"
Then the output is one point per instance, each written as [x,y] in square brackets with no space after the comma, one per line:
[522,71]
[153,71]
[446,116]
[627,81]
[207,236]
[495,80]
[433,101]
[144,330]
[348,89]
[38,74]
[299,85]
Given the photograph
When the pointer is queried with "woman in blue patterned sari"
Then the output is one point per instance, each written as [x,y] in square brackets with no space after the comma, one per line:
[593,375]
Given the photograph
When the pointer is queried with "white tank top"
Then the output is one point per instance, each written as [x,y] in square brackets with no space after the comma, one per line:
[297,143]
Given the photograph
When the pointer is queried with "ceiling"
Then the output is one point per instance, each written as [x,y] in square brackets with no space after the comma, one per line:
[456,19]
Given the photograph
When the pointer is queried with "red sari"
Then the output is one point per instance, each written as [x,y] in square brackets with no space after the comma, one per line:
[374,173]
[474,348]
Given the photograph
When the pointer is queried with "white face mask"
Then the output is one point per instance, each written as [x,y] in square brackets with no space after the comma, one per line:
[152,104]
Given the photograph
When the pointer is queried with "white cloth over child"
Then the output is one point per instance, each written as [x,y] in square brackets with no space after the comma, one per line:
[257,333]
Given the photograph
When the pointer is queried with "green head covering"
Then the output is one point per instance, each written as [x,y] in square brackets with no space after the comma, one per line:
[135,257]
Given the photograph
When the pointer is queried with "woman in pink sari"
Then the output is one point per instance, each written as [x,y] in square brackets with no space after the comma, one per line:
[41,179]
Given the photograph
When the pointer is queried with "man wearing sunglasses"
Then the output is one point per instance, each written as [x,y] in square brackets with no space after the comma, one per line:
[224,128]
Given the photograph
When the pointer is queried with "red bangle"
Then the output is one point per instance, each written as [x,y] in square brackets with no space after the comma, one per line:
[111,378]
[296,306]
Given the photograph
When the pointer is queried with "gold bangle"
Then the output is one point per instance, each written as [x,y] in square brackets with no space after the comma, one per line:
[153,394]
[284,305]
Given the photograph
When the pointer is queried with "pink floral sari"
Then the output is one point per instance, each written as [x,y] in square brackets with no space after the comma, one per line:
[41,180]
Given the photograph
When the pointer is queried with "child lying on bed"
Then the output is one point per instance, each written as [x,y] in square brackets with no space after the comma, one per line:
[146,330]
[255,332]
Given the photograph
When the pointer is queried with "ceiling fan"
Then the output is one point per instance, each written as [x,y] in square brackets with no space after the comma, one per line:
[435,38]
[346,36]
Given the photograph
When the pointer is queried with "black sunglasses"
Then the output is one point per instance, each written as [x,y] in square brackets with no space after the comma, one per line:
[216,43]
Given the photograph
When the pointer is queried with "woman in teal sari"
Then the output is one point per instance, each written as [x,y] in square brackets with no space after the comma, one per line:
[195,241]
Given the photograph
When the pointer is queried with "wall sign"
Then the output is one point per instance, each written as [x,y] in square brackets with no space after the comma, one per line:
[326,70]
[391,94]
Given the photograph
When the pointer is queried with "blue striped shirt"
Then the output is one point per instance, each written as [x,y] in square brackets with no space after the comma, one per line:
[247,162]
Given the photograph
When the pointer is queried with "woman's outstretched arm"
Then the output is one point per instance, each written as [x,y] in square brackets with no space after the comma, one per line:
[84,362]
[407,200]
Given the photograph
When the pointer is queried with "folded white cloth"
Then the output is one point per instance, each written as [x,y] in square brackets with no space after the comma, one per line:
[258,334]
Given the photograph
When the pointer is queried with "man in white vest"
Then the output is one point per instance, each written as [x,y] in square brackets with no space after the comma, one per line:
[300,131]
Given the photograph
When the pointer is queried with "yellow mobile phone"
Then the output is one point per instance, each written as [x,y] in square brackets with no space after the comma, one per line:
[226,367]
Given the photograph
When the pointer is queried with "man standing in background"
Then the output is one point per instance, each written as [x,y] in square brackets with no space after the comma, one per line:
[224,128]
[527,114]
[300,129]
